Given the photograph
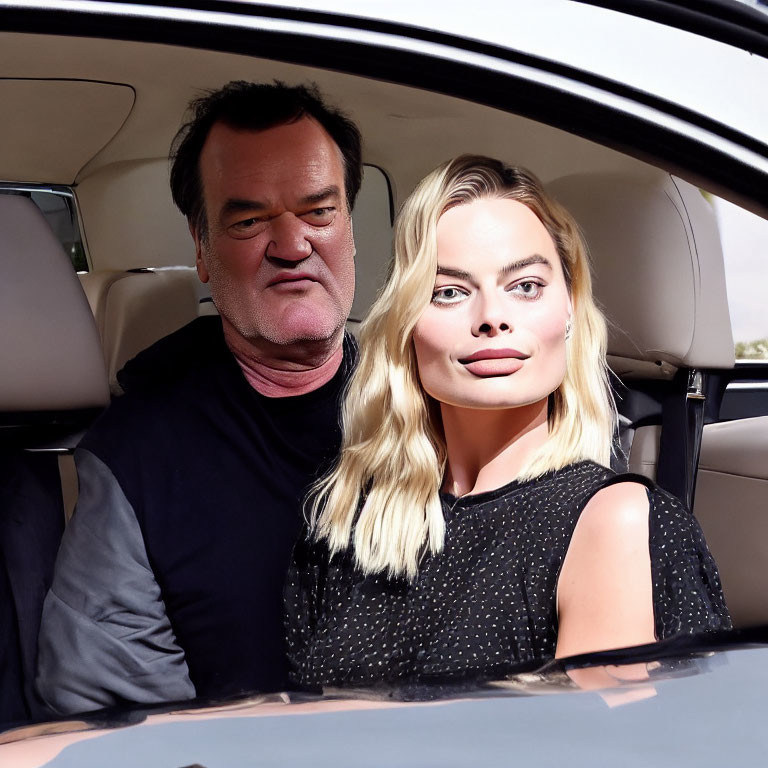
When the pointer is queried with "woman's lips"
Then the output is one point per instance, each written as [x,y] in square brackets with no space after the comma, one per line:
[494,362]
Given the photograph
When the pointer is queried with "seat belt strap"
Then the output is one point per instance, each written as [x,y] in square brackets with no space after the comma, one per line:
[682,422]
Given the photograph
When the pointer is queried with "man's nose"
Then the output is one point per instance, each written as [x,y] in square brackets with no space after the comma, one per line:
[288,240]
[493,315]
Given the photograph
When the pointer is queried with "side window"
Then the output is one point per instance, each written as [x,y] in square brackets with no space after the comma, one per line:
[57,204]
[744,238]
[372,221]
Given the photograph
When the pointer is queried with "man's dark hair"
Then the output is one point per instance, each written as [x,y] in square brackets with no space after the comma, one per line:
[255,107]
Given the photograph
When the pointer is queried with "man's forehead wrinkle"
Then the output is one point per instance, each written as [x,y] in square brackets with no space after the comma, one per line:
[311,171]
[300,180]
[238,204]
[270,171]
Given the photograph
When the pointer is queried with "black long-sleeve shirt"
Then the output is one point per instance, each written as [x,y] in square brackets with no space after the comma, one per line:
[173,566]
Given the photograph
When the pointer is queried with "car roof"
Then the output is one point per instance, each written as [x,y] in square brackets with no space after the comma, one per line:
[694,67]
[535,97]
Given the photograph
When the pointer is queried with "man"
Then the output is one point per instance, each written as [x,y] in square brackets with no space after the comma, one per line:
[169,579]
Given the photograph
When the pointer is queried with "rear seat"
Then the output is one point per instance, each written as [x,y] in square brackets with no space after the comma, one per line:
[53,385]
[136,308]
[732,507]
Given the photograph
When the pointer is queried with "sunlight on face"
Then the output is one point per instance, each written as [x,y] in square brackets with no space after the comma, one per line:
[493,335]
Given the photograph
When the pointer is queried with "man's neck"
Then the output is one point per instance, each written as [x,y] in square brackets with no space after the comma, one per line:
[285,370]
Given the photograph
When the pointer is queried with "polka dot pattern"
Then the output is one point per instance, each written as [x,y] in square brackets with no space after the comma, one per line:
[486,604]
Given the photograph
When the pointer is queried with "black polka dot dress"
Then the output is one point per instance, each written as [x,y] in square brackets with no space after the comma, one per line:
[486,604]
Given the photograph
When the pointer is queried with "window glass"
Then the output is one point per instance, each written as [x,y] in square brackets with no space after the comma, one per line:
[372,220]
[744,237]
[57,204]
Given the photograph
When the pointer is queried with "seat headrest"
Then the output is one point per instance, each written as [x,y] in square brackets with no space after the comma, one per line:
[49,347]
[658,267]
[135,309]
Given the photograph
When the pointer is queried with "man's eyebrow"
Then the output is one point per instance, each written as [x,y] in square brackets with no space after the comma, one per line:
[514,266]
[319,197]
[237,205]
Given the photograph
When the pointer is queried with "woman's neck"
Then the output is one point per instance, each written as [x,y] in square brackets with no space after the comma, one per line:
[488,448]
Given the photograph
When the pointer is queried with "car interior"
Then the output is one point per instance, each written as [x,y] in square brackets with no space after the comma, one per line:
[90,122]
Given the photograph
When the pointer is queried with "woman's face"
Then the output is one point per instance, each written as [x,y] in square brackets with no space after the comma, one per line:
[493,335]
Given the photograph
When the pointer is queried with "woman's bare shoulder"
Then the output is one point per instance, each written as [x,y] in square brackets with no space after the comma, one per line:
[616,512]
[604,590]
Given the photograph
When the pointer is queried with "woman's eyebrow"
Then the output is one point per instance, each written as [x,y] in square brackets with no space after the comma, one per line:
[458,273]
[516,266]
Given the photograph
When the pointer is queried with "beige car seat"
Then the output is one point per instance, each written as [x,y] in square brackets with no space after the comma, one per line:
[732,507]
[136,308]
[660,277]
[53,385]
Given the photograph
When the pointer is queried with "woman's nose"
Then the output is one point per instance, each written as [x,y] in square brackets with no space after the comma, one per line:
[493,316]
[288,240]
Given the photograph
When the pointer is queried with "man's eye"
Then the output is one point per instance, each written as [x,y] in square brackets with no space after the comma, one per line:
[528,289]
[449,294]
[320,216]
[246,227]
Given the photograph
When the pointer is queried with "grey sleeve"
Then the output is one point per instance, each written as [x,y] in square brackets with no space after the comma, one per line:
[105,636]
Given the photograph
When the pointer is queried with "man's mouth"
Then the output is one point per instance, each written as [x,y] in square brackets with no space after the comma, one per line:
[287,278]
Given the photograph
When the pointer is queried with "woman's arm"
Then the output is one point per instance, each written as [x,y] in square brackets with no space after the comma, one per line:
[605,593]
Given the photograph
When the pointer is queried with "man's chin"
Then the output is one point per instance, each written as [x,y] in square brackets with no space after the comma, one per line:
[292,333]
[299,338]
[301,325]
[322,329]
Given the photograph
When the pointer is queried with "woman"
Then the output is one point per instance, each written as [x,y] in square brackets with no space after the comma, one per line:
[471,524]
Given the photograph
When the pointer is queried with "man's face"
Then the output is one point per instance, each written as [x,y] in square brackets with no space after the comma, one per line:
[279,252]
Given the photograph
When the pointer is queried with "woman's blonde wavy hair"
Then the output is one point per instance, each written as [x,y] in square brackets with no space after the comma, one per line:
[382,497]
